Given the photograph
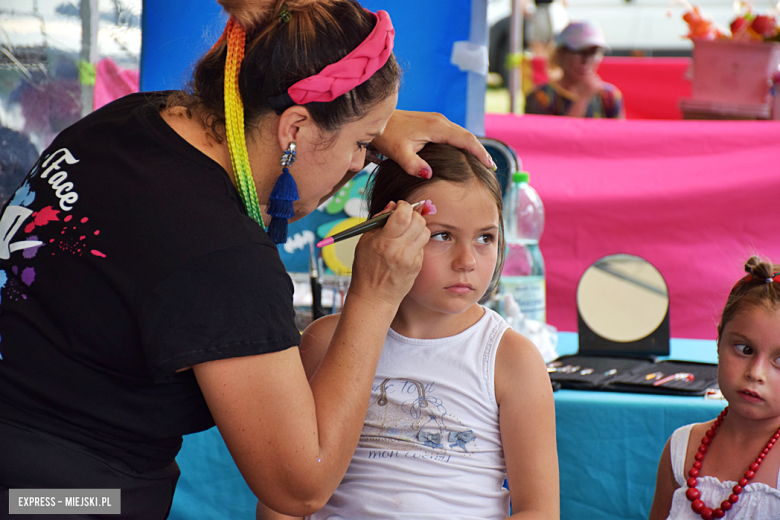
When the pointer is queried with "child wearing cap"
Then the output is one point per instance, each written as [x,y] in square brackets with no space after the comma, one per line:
[579,92]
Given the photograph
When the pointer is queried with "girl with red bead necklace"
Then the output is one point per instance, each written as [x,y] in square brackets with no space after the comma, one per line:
[726,468]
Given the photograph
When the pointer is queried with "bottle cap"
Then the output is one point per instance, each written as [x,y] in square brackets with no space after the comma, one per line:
[518,177]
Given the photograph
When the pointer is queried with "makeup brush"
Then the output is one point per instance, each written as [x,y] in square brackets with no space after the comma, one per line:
[372,223]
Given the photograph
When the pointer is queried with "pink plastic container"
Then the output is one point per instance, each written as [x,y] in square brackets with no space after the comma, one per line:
[738,73]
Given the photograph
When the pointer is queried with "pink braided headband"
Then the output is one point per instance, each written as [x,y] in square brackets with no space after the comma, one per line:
[344,75]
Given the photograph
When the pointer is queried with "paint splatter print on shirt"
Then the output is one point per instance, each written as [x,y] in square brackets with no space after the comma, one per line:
[27,232]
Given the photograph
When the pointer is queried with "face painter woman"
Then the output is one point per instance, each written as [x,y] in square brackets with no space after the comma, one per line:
[142,296]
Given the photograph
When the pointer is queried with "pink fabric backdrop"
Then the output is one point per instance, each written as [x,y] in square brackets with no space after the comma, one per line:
[695,198]
[651,87]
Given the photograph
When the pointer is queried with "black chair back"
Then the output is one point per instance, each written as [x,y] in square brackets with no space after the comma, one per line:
[506,160]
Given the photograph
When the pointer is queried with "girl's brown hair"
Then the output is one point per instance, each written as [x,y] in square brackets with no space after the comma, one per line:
[391,183]
[279,53]
[754,289]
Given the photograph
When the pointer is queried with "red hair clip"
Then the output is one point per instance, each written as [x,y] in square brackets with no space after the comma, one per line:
[749,278]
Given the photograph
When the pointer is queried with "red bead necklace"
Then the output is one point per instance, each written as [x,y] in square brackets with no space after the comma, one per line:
[693,494]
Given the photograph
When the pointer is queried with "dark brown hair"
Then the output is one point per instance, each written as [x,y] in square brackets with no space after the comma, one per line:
[391,183]
[752,290]
[279,54]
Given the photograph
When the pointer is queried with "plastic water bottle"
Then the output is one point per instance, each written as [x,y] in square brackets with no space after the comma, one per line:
[523,272]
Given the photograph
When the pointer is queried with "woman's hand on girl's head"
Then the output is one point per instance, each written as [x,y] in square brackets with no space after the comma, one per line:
[388,259]
[407,132]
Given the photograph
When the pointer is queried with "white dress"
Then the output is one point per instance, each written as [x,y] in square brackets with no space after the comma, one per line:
[756,502]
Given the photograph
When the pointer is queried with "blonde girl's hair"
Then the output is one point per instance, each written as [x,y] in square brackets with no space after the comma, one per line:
[759,287]
[390,182]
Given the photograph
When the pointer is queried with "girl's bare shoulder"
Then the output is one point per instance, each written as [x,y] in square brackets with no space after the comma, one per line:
[520,367]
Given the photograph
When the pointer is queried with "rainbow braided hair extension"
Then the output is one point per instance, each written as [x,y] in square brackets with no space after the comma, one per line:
[234,120]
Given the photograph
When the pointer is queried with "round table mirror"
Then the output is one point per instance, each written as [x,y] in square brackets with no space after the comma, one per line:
[623,298]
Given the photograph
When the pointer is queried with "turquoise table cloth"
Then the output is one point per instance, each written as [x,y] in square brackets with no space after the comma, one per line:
[609,443]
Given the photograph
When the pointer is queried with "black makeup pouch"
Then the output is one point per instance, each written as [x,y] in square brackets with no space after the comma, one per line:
[640,375]
[580,372]
[668,377]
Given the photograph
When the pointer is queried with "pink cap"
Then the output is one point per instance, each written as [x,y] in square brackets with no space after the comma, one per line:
[581,35]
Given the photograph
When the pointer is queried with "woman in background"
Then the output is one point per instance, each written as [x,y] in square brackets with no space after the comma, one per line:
[579,92]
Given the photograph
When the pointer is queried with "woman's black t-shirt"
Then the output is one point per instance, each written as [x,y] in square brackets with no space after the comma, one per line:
[126,256]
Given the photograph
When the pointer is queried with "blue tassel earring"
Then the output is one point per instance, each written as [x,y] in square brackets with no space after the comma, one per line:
[280,205]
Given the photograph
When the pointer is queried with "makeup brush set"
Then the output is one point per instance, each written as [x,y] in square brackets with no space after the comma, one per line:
[615,374]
